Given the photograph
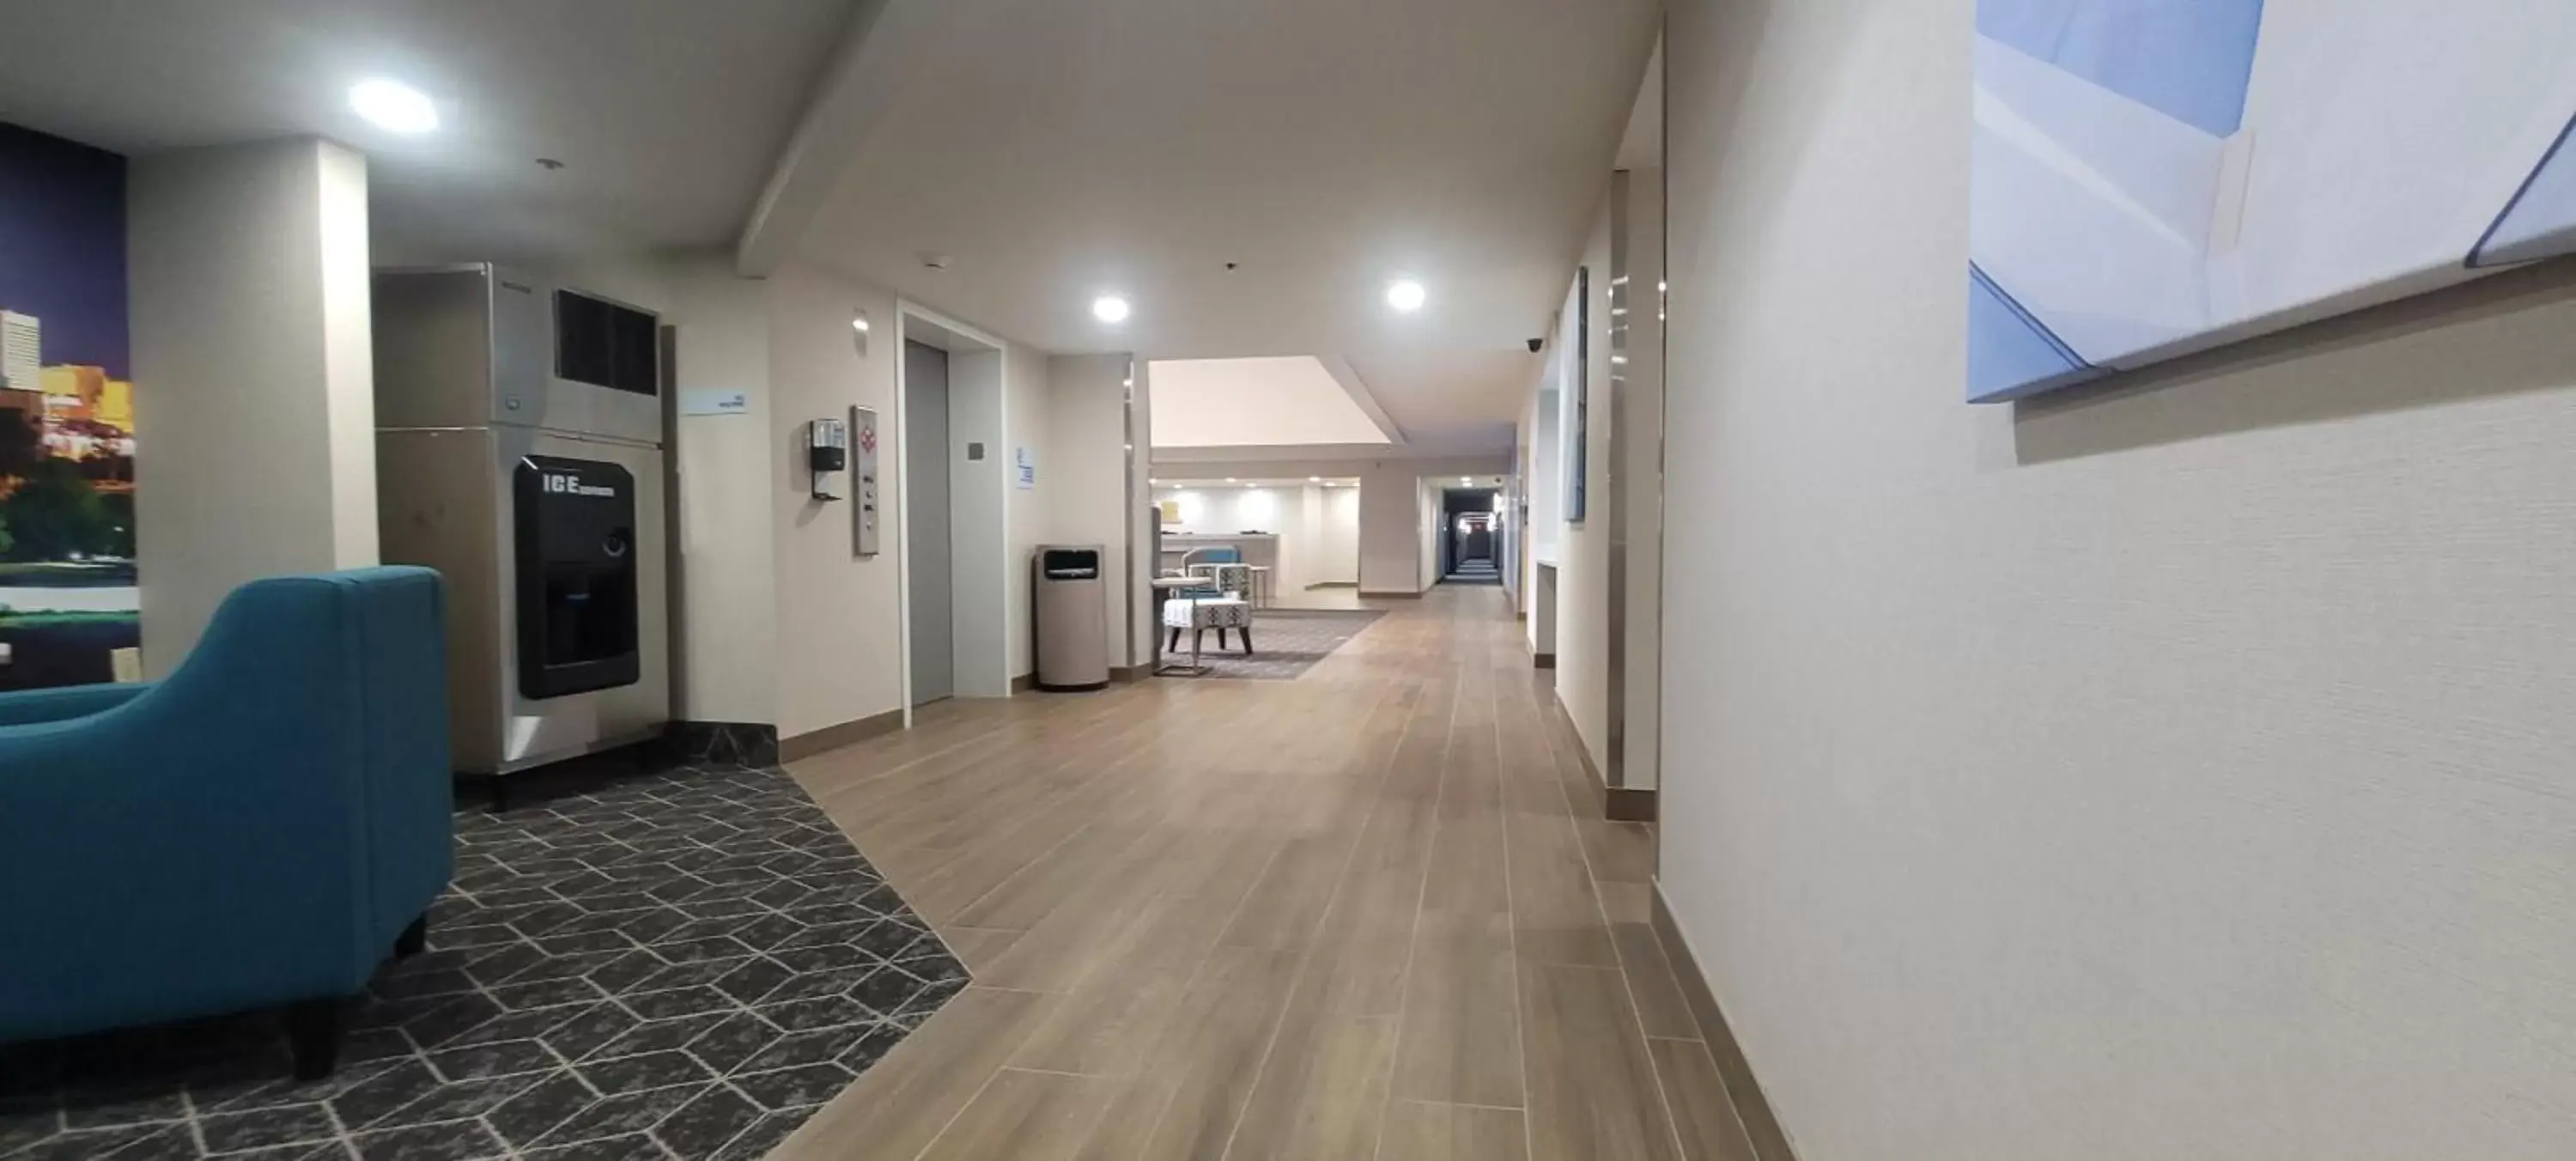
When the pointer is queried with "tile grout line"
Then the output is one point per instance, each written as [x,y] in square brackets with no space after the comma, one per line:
[1627,986]
[1306,960]
[1038,717]
[1413,937]
[1512,929]
[1141,739]
[1095,777]
[951,1122]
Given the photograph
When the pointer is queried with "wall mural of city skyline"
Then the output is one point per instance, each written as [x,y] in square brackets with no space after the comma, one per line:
[68,596]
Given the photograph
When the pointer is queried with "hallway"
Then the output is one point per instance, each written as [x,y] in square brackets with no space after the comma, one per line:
[1372,912]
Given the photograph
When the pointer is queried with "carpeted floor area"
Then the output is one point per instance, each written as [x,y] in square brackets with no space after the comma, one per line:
[680,965]
[1285,642]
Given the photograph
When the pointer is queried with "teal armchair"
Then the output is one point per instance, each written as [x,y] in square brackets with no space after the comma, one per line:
[258,831]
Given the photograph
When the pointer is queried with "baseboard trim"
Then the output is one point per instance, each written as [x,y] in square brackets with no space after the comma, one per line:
[1628,804]
[813,742]
[1743,1091]
[1392,596]
[1582,753]
[1542,661]
[1618,803]
[745,743]
[1024,683]
[1126,673]
[1334,585]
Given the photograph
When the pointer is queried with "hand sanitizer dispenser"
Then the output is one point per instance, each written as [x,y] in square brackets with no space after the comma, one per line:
[827,453]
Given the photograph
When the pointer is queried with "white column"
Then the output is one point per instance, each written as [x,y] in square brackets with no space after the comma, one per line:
[249,274]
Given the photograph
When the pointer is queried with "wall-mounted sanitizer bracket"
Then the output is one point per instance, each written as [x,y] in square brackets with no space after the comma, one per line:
[863,449]
[827,454]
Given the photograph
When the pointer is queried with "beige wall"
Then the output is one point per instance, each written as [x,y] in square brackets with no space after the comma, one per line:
[2176,771]
[1426,522]
[838,656]
[727,593]
[781,621]
[1583,549]
[1335,545]
[1083,471]
[1390,529]
[248,268]
[1028,418]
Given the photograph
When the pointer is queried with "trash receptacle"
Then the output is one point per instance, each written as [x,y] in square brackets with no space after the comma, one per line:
[1072,616]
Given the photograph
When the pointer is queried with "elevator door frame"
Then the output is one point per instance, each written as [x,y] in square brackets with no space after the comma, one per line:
[989,595]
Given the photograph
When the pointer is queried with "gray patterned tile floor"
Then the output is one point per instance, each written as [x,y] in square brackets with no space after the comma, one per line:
[679,965]
[1285,642]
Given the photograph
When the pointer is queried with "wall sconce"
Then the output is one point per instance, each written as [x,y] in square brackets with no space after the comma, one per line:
[859,331]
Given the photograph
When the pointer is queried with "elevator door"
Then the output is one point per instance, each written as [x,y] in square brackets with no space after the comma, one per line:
[925,482]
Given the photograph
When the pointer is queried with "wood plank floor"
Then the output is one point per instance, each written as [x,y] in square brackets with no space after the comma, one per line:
[1370,913]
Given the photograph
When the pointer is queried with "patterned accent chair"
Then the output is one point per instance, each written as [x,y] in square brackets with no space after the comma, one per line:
[1225,580]
[1202,614]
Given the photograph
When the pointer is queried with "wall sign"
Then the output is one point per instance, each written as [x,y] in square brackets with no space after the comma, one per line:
[1024,468]
[714,401]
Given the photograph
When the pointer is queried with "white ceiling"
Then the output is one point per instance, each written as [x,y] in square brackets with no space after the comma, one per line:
[1267,401]
[1051,150]
[666,113]
[1055,151]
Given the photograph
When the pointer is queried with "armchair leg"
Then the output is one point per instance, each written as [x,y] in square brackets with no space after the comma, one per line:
[313,1029]
[414,939]
[1247,639]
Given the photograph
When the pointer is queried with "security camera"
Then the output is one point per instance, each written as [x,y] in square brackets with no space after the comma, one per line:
[1535,344]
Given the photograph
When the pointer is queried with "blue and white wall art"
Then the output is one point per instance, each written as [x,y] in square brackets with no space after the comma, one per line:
[2157,177]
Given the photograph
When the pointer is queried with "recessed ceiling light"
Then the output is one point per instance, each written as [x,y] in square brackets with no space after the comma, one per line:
[398,107]
[1229,479]
[1465,480]
[1252,485]
[1405,294]
[1109,308]
[1314,479]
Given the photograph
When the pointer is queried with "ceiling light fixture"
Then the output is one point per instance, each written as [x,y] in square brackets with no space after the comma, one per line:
[1229,479]
[398,107]
[1314,479]
[1109,308]
[1406,295]
[1465,480]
